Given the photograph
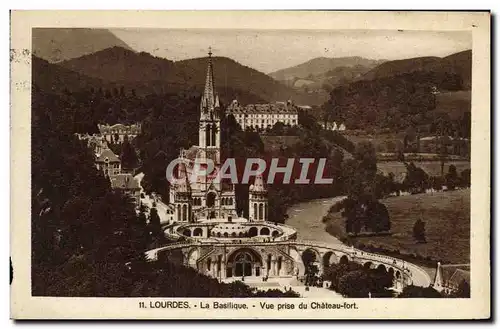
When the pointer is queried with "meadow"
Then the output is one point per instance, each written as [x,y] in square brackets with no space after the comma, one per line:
[447,223]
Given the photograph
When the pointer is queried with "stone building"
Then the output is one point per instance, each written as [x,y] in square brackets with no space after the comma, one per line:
[108,162]
[117,133]
[128,185]
[264,116]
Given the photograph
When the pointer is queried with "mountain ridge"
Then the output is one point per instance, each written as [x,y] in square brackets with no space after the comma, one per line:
[120,65]
[59,44]
[321,65]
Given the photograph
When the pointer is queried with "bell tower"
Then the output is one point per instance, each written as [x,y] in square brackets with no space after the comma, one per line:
[209,131]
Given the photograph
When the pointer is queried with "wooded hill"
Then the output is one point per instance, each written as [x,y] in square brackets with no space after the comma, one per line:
[149,74]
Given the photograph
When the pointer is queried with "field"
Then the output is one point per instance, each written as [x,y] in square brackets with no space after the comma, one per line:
[455,103]
[447,222]
[273,144]
[432,168]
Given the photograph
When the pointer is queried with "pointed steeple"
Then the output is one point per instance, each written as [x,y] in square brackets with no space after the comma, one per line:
[210,99]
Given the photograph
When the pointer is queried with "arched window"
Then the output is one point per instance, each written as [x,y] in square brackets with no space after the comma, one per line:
[179,213]
[214,131]
[230,201]
[184,213]
[255,210]
[261,210]
[264,214]
[233,234]
[225,234]
[253,232]
[198,232]
[207,135]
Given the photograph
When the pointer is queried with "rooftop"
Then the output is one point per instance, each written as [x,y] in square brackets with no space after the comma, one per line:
[271,108]
[107,155]
[124,181]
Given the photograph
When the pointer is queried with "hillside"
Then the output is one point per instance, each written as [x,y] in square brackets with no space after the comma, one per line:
[54,78]
[458,63]
[321,65]
[154,74]
[58,44]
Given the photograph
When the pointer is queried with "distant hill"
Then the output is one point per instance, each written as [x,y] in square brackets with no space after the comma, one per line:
[321,65]
[53,78]
[58,44]
[458,63]
[154,74]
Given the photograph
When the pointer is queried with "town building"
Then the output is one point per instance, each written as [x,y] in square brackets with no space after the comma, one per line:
[264,116]
[128,185]
[117,133]
[108,162]
[96,142]
[333,126]
[449,277]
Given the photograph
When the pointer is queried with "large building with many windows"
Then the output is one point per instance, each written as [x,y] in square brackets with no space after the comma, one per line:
[264,116]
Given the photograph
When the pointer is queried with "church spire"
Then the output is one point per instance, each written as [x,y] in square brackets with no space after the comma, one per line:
[210,99]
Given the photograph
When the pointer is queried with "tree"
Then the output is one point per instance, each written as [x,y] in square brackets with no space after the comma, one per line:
[412,291]
[419,231]
[465,178]
[452,178]
[377,217]
[128,156]
[463,290]
[354,284]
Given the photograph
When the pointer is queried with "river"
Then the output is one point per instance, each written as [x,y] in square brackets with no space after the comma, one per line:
[306,218]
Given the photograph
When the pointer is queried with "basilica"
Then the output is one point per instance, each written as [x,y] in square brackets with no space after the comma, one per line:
[206,198]
[213,238]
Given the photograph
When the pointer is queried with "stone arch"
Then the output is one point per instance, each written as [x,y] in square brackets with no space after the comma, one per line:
[312,254]
[218,234]
[186,232]
[391,272]
[241,235]
[253,231]
[398,275]
[264,231]
[233,234]
[299,268]
[343,260]
[329,258]
[226,235]
[367,265]
[381,267]
[198,231]
[244,262]
[275,233]
[193,256]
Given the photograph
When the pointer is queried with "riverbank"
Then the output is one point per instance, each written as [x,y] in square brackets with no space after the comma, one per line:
[447,218]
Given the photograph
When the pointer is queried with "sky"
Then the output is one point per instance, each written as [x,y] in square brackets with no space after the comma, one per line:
[271,50]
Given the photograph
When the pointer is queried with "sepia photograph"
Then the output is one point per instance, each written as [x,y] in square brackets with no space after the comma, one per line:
[327,166]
